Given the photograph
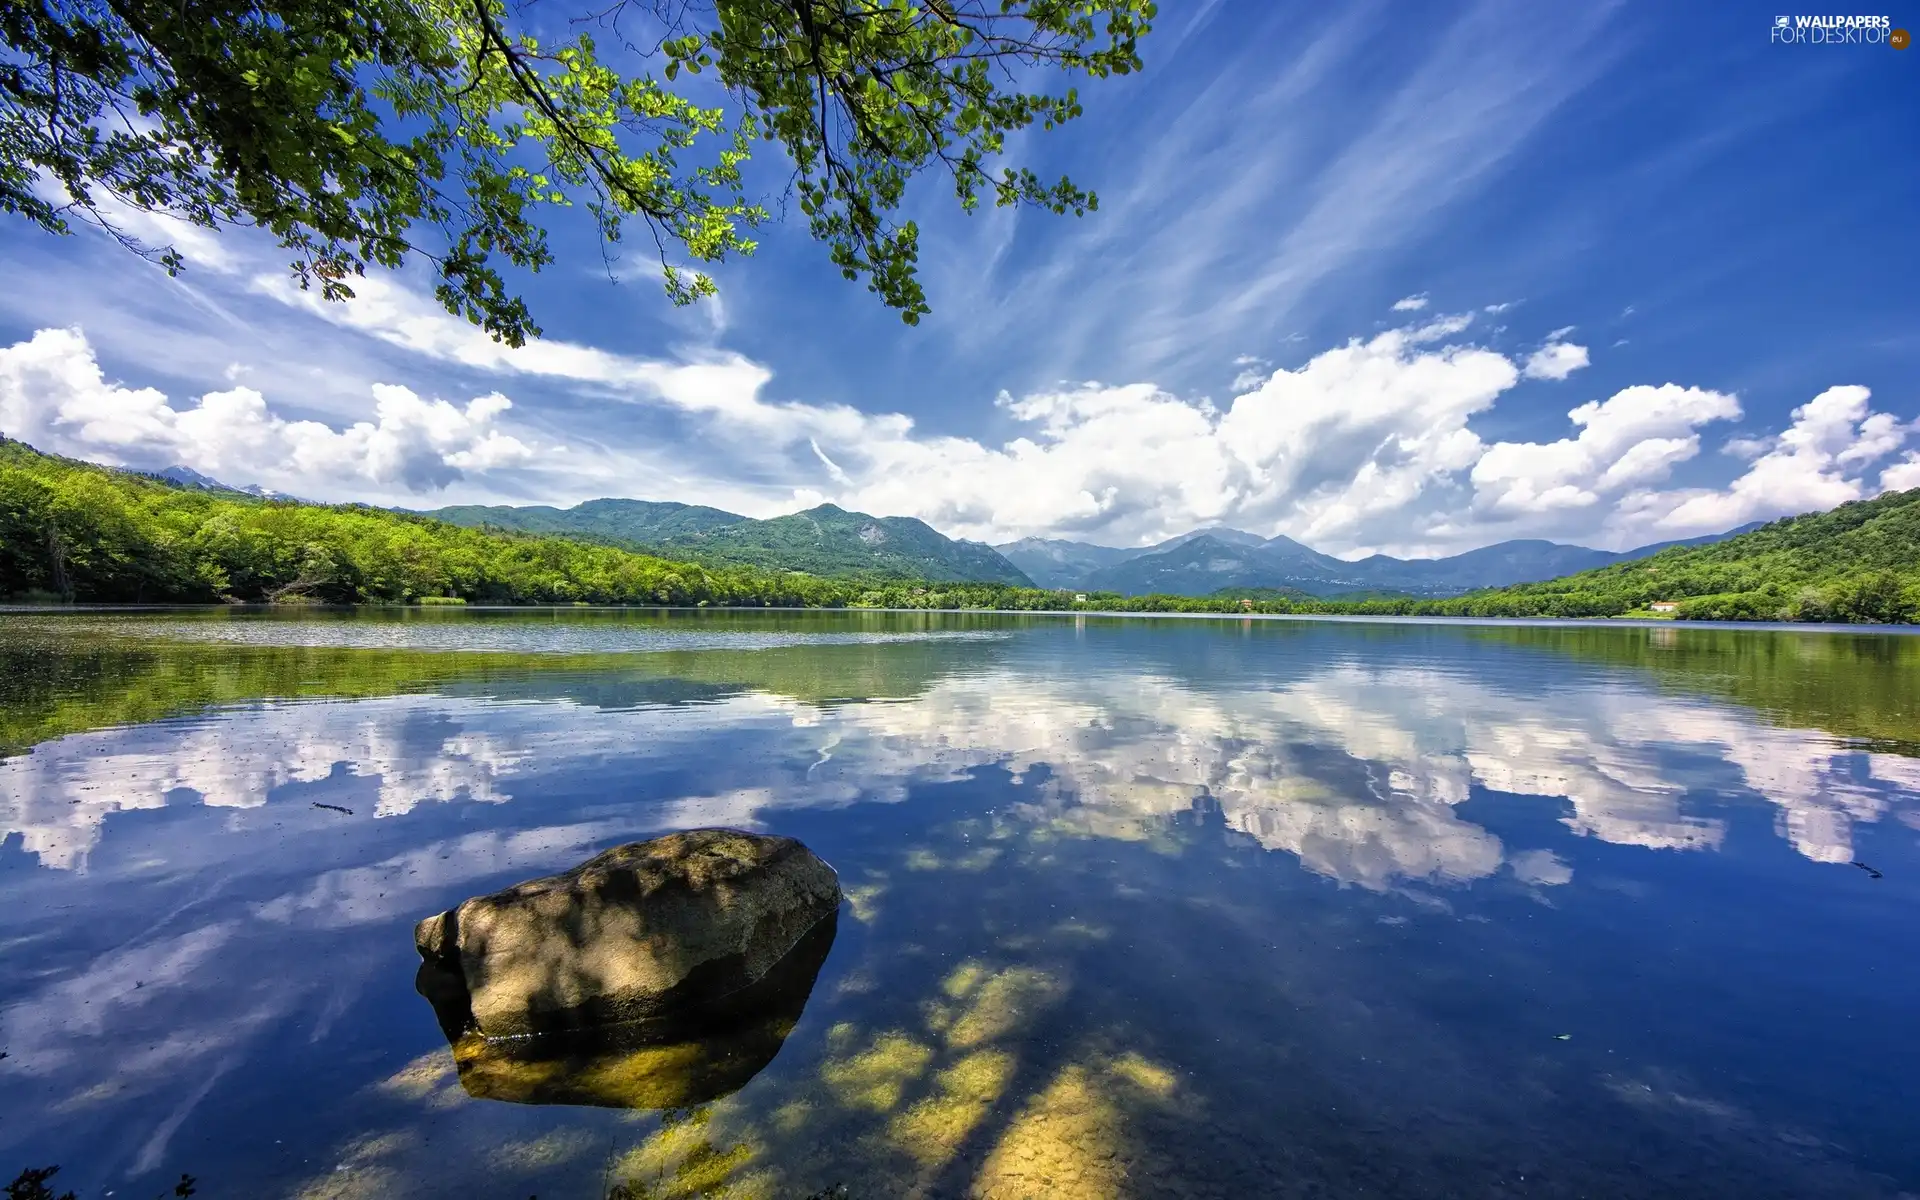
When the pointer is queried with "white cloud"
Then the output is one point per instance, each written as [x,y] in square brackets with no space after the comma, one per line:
[1902,475]
[1325,449]
[1254,370]
[1634,437]
[1542,868]
[1367,446]
[1440,328]
[1234,214]
[54,394]
[720,388]
[1412,303]
[1816,464]
[1408,746]
[59,797]
[1556,360]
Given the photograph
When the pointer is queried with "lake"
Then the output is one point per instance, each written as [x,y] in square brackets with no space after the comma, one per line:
[1135,907]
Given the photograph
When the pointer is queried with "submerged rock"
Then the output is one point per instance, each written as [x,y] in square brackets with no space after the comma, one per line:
[635,1065]
[668,936]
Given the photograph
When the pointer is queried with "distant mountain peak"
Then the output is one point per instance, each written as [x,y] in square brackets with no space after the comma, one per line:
[188,477]
[1233,537]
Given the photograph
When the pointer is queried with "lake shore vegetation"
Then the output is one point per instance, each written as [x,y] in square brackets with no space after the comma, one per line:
[76,532]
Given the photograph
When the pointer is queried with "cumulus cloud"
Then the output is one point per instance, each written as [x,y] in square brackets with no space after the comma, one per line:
[1253,370]
[1633,437]
[54,394]
[1325,448]
[1819,462]
[1412,303]
[1368,446]
[1557,359]
[1902,475]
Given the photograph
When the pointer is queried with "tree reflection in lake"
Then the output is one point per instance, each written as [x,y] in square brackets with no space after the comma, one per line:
[1356,765]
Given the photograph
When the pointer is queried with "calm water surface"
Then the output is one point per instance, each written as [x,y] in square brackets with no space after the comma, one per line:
[1135,908]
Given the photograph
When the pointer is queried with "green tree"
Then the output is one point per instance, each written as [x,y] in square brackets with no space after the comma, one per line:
[366,134]
[91,533]
[26,533]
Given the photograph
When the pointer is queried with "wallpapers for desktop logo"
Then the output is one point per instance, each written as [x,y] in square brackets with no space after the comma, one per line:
[1856,30]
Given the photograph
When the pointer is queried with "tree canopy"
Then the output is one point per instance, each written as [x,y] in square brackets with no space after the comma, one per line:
[365,133]
[76,531]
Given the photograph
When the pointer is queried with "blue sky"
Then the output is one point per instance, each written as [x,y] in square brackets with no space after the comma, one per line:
[1378,277]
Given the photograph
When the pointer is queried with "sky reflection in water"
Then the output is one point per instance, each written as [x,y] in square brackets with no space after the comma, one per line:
[1260,908]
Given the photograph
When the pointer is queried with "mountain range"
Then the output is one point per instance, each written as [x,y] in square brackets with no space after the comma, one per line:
[187,477]
[830,541]
[642,522]
[826,540]
[1211,560]
[84,532]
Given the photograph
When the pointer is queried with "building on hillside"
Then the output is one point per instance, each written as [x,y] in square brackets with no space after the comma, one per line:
[1664,606]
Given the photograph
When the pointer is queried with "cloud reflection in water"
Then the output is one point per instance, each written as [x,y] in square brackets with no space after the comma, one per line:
[1356,771]
[272,942]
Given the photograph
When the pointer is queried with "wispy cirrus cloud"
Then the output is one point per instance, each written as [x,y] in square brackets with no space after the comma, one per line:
[1251,210]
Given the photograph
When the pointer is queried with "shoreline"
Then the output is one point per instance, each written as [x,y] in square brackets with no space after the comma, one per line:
[7,610]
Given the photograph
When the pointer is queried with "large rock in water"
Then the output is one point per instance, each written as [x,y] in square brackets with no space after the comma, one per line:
[673,932]
[632,1066]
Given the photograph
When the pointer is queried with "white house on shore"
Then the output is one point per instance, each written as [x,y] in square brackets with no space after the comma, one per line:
[1664,606]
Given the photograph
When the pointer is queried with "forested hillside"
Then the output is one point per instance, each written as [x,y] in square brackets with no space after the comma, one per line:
[75,531]
[826,540]
[642,522]
[72,530]
[1859,562]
